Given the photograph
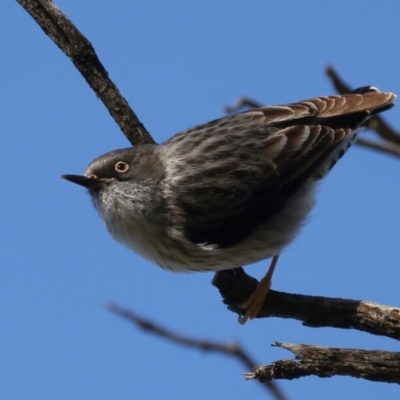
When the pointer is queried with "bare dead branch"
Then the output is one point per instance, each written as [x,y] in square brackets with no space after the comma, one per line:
[235,287]
[230,349]
[325,362]
[80,51]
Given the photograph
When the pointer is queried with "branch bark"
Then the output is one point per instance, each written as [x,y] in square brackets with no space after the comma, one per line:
[325,362]
[235,287]
[81,52]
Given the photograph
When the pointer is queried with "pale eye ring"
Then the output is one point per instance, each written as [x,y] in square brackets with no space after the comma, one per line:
[121,167]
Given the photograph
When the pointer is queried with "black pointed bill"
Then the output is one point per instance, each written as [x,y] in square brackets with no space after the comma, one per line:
[91,183]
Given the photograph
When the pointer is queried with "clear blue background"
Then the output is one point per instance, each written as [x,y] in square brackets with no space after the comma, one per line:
[178,63]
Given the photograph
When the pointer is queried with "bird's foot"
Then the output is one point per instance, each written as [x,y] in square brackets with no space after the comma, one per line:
[256,300]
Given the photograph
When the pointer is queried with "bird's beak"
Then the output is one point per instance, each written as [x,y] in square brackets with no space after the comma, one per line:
[91,182]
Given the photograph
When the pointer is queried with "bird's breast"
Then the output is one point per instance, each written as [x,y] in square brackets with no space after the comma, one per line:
[166,246]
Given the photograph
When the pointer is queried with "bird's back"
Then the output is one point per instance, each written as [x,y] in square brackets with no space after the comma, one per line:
[230,176]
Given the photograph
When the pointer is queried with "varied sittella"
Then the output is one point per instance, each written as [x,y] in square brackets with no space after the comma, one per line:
[230,192]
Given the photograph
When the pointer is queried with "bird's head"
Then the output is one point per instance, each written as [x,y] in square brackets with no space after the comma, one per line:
[122,177]
[108,169]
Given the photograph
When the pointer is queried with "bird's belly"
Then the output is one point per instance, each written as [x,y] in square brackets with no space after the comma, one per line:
[173,252]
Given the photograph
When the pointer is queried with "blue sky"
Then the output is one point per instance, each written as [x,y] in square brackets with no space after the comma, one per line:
[178,63]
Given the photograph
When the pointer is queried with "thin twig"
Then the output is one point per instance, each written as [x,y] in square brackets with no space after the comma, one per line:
[80,51]
[383,147]
[230,349]
[325,362]
[240,104]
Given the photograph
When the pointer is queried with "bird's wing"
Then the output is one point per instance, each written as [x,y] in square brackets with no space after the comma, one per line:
[231,175]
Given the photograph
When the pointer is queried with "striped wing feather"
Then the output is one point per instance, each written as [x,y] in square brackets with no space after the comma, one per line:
[241,170]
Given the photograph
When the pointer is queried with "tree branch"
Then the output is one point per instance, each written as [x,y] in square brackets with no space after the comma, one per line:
[230,349]
[80,51]
[235,287]
[325,362]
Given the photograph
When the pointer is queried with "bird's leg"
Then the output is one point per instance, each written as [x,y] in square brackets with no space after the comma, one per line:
[257,298]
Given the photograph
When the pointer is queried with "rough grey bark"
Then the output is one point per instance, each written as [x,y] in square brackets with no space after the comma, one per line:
[326,362]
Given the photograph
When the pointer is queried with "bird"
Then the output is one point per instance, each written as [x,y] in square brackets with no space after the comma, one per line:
[230,192]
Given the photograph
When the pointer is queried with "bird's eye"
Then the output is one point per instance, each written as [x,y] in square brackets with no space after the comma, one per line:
[121,166]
